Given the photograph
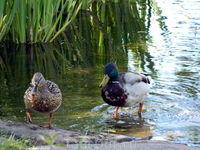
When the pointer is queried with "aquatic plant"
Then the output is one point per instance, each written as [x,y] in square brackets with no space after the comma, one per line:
[34,21]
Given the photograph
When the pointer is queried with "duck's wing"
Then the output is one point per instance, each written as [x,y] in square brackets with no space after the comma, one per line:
[53,88]
[136,85]
[135,77]
[27,97]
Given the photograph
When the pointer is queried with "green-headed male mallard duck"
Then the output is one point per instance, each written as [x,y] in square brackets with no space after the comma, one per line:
[42,96]
[124,89]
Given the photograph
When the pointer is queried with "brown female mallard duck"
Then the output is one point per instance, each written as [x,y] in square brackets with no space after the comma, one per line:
[42,96]
[124,89]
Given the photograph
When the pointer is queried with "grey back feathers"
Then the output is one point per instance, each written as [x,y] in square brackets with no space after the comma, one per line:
[133,77]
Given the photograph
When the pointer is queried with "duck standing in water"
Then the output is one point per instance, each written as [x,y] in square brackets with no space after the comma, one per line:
[124,89]
[42,96]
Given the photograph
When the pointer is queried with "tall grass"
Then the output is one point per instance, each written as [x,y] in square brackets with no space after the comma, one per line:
[6,18]
[34,21]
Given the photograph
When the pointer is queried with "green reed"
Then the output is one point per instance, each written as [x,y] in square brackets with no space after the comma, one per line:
[34,21]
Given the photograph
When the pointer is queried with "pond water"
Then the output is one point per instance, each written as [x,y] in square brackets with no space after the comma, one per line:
[165,43]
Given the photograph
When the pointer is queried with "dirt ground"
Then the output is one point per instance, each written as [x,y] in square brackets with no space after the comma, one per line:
[71,139]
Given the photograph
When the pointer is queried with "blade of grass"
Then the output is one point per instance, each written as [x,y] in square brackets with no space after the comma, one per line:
[22,22]
[2,7]
[69,20]
[35,18]
[56,21]
[10,11]
[50,24]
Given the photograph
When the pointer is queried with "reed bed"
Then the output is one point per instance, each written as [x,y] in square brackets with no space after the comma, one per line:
[112,30]
[23,21]
[32,21]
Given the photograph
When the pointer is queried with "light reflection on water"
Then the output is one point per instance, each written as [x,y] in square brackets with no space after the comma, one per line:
[171,111]
[176,56]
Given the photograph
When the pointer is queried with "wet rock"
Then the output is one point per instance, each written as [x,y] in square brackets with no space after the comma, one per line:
[66,136]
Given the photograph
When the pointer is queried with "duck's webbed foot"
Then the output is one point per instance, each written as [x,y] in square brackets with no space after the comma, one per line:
[140,110]
[28,117]
[46,126]
[116,115]
[50,120]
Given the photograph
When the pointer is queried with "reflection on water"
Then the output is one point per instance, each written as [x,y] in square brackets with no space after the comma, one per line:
[175,47]
[164,42]
[130,126]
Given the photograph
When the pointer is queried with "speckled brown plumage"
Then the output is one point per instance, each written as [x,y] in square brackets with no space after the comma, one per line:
[42,96]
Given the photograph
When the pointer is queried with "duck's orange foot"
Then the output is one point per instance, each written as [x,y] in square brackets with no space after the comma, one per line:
[116,113]
[46,126]
[28,116]
[140,110]
[115,116]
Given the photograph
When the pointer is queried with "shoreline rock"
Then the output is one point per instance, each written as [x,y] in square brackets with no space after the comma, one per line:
[66,136]
[134,145]
[72,139]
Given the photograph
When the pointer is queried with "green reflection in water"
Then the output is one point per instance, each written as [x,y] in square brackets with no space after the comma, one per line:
[76,63]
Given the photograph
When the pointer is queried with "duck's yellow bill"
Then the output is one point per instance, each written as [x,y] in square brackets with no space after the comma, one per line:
[104,81]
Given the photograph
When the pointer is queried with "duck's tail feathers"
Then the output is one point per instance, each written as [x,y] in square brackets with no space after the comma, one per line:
[151,81]
[148,75]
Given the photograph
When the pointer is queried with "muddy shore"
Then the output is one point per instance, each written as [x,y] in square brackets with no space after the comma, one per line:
[71,139]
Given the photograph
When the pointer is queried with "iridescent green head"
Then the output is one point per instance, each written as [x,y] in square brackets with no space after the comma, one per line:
[110,74]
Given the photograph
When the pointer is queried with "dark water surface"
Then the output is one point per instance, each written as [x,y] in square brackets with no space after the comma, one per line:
[164,42]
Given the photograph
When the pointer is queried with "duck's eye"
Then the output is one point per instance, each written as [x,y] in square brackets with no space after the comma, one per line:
[30,85]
